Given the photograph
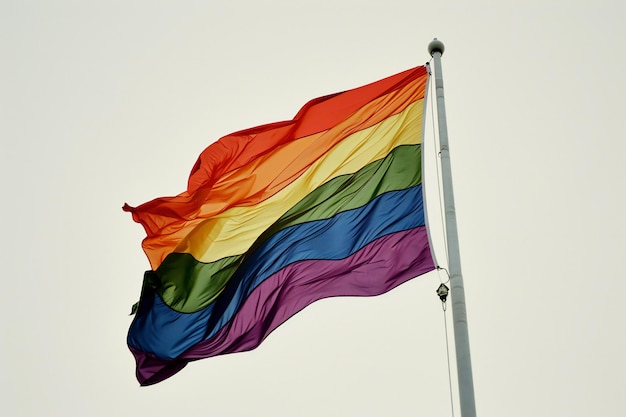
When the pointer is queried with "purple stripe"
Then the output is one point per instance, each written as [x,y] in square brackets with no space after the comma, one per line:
[375,269]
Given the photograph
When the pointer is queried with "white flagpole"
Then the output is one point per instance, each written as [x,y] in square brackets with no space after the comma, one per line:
[457,292]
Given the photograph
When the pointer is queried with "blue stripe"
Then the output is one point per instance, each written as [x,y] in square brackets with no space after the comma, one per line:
[167,333]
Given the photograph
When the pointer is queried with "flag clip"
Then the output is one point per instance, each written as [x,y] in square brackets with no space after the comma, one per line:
[442,292]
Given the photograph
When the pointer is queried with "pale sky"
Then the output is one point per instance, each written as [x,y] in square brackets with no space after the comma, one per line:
[107,102]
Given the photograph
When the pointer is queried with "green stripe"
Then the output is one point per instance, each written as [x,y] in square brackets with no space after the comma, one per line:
[187,285]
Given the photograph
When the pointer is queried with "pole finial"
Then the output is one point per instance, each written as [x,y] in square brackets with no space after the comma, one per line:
[435,46]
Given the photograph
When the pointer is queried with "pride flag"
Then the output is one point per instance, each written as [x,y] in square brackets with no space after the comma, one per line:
[278,216]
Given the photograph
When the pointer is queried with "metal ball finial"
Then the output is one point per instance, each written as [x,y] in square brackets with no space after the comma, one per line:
[435,46]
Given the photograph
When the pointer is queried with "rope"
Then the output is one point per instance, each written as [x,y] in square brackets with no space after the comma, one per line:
[443,228]
[445,324]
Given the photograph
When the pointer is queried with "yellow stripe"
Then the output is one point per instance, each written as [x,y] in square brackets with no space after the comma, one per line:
[233,231]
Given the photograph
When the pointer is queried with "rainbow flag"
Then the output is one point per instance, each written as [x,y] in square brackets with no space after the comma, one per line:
[278,216]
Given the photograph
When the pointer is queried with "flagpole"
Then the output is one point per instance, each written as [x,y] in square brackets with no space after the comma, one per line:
[457,291]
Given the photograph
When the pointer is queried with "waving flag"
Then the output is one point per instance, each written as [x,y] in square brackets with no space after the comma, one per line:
[278,216]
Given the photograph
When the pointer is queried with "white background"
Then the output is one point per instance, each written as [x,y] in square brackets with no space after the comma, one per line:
[106,102]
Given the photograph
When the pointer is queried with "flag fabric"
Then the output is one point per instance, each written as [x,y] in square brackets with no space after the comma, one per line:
[281,215]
